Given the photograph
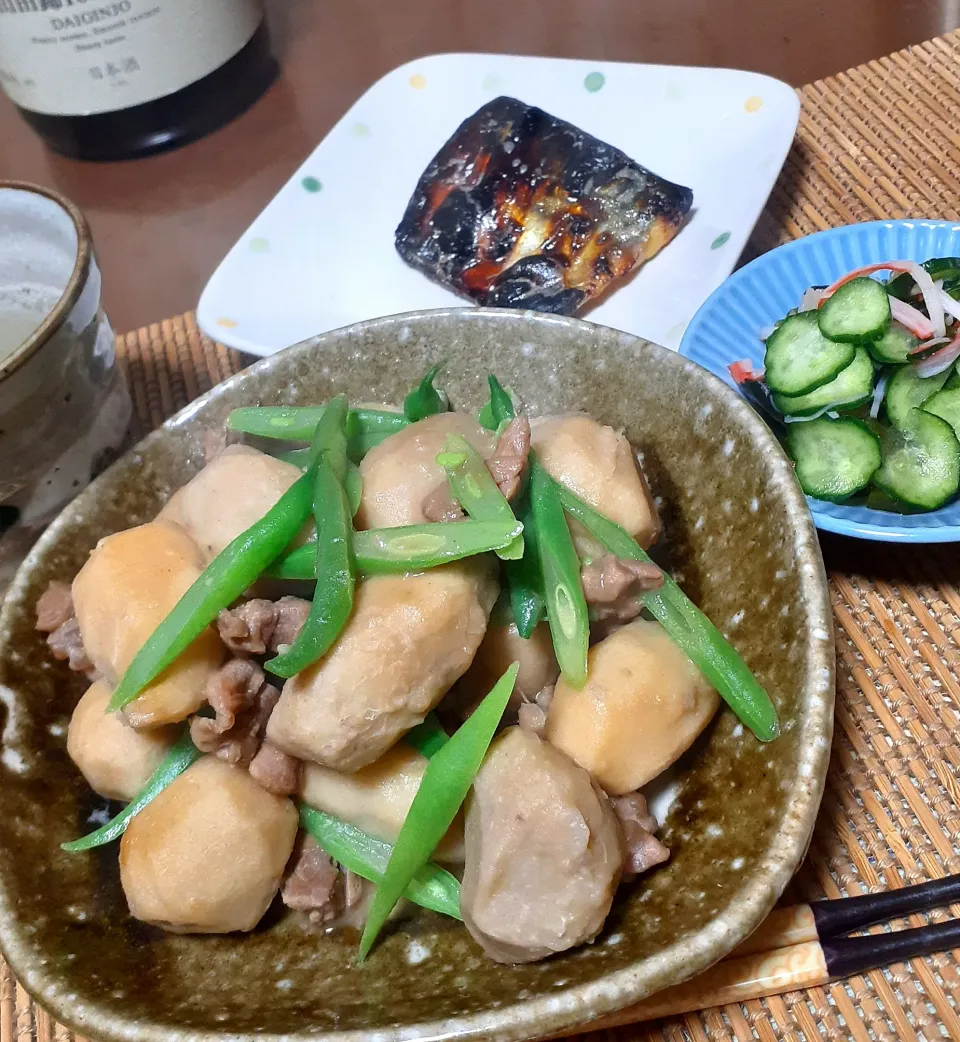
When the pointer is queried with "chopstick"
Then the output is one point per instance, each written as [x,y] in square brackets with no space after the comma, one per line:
[805,946]
[824,920]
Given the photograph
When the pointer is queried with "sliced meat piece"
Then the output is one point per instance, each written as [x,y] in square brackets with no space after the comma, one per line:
[439,505]
[510,456]
[233,491]
[613,585]
[291,614]
[544,852]
[207,855]
[66,643]
[242,700]
[258,625]
[643,849]
[402,471]
[598,464]
[311,884]
[408,639]
[54,607]
[332,895]
[532,716]
[633,807]
[276,771]
[55,616]
[129,584]
[643,705]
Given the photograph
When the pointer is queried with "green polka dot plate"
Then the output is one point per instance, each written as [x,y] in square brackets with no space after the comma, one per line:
[321,255]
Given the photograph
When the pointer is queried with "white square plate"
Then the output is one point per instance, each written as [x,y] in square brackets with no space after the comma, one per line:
[321,255]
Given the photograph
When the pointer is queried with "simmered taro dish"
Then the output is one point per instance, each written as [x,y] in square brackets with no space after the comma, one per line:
[520,209]
[422,660]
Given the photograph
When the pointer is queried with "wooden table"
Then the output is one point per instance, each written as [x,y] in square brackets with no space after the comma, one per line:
[162,224]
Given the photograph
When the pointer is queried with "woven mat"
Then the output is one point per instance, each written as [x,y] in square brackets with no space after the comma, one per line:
[881,140]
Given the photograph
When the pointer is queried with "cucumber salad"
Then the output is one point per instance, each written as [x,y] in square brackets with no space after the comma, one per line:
[861,383]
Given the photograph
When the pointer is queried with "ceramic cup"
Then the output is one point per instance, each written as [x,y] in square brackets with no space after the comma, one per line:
[64,407]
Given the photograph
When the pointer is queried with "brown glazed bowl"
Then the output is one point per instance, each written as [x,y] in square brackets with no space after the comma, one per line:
[741,540]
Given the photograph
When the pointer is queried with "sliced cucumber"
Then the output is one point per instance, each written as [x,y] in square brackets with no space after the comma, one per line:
[894,346]
[852,387]
[907,391]
[946,405]
[876,499]
[953,380]
[834,458]
[921,461]
[858,312]
[799,358]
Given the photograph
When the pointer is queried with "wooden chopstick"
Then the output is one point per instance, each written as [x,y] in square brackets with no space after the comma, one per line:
[804,965]
[731,980]
[804,946]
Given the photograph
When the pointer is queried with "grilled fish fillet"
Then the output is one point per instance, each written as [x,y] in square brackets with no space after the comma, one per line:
[520,209]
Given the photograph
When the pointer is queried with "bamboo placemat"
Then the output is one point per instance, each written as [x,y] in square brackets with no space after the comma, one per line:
[881,140]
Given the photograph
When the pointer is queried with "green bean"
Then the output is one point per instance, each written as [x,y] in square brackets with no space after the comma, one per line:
[501,614]
[366,428]
[523,579]
[562,587]
[352,482]
[330,438]
[425,399]
[501,404]
[473,487]
[333,596]
[183,754]
[333,562]
[299,458]
[406,548]
[364,855]
[369,427]
[223,580]
[428,737]
[353,486]
[524,576]
[361,440]
[443,788]
[498,409]
[411,548]
[689,628]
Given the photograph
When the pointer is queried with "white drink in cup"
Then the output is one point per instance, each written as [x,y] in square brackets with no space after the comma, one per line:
[64,407]
[21,313]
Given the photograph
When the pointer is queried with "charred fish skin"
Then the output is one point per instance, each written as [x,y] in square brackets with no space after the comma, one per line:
[521,209]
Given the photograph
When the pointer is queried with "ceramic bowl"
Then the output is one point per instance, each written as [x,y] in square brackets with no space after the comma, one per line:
[728,327]
[64,406]
[741,541]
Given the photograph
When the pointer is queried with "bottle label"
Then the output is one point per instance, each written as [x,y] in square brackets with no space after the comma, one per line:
[80,57]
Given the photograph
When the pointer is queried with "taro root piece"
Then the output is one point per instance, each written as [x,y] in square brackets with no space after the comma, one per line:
[116,760]
[643,705]
[544,852]
[208,854]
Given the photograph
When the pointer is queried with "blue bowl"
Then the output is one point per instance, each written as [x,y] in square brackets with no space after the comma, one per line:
[729,324]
